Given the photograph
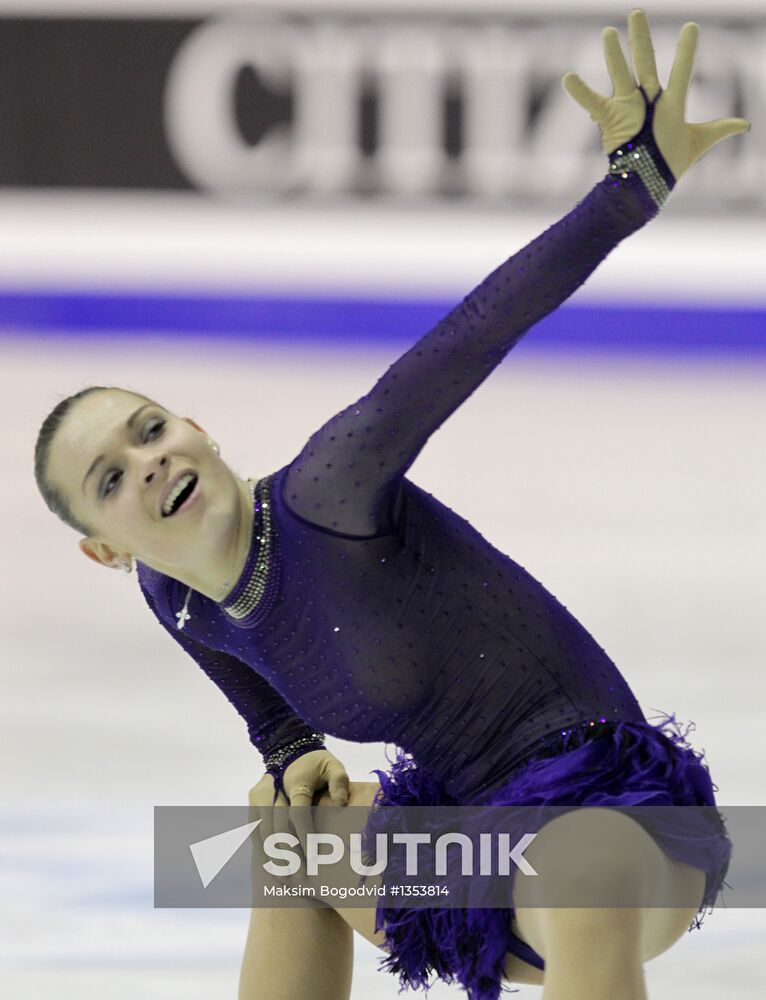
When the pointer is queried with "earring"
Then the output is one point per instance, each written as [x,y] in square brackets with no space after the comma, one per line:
[126,565]
[215,447]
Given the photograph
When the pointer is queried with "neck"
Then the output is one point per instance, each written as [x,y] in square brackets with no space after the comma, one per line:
[233,563]
[219,579]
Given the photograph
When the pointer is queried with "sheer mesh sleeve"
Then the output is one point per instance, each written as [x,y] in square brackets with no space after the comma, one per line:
[345,479]
[271,723]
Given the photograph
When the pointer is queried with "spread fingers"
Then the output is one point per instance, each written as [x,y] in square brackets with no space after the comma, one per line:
[683,64]
[622,78]
[642,51]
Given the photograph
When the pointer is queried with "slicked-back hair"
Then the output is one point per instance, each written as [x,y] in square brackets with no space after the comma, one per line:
[53,497]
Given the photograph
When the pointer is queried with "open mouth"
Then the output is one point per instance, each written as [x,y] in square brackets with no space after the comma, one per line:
[180,493]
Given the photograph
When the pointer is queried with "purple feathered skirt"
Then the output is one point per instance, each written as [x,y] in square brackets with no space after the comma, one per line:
[609,764]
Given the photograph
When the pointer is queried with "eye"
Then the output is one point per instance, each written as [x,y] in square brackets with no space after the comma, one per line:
[154,430]
[109,482]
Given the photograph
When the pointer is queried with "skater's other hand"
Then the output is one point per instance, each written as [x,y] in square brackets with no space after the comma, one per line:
[304,780]
[621,117]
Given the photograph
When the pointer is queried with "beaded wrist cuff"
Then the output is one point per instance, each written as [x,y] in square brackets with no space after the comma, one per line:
[642,158]
[278,762]
[278,757]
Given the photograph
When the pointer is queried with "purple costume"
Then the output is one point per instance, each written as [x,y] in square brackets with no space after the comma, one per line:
[370,611]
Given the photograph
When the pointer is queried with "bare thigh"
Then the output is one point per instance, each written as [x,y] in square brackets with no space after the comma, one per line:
[644,860]
[362,918]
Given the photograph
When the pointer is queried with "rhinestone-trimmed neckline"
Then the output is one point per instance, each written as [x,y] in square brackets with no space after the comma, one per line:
[256,575]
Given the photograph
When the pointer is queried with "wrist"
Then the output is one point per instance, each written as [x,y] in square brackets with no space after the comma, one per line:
[281,758]
[277,762]
[641,161]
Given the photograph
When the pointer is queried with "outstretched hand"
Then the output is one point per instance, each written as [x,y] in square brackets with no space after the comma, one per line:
[621,117]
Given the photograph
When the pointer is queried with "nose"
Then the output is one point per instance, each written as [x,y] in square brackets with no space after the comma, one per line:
[160,461]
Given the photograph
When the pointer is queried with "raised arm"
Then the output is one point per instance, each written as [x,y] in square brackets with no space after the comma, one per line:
[276,731]
[347,476]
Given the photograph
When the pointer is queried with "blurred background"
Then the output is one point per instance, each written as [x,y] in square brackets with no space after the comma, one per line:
[248,212]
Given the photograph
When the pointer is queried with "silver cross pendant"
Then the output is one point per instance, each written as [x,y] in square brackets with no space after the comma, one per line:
[183,615]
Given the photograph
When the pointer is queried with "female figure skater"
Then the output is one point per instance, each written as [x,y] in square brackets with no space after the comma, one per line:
[336,596]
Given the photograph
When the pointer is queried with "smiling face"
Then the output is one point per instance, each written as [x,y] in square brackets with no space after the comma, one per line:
[116,458]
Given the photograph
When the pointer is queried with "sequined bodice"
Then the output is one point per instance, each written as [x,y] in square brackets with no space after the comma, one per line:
[372,612]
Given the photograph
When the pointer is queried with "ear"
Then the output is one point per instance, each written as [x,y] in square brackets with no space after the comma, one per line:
[195,424]
[100,553]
